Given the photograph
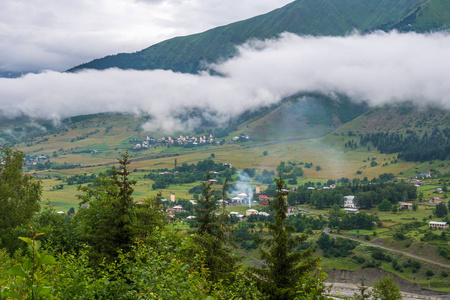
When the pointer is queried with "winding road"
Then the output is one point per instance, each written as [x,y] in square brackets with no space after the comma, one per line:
[327,231]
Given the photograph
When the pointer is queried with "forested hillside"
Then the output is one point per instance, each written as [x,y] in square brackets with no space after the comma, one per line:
[303,17]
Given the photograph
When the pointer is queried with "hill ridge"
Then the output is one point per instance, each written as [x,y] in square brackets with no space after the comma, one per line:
[188,54]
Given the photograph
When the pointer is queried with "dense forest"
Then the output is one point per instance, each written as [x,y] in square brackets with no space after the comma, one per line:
[411,146]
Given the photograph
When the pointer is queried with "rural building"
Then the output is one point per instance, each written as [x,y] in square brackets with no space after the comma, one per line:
[435,200]
[438,191]
[237,215]
[249,212]
[351,210]
[264,202]
[405,205]
[172,197]
[437,225]
[349,201]
[425,175]
[257,189]
[177,208]
[261,213]
[291,209]
[237,199]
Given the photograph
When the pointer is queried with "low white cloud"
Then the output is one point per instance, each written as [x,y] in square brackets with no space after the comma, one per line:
[377,68]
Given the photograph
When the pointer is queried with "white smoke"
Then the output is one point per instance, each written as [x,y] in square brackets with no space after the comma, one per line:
[243,186]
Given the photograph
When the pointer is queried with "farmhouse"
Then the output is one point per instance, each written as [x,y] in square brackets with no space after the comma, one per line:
[176,209]
[264,202]
[249,212]
[425,175]
[435,200]
[291,210]
[437,225]
[405,205]
[237,199]
[438,191]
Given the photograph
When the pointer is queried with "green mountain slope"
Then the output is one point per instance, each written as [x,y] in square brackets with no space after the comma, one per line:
[398,118]
[303,117]
[431,15]
[303,17]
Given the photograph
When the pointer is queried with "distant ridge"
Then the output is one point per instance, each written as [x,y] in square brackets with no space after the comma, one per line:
[188,54]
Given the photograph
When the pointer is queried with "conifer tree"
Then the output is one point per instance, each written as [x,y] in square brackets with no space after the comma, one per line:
[212,235]
[285,267]
[110,217]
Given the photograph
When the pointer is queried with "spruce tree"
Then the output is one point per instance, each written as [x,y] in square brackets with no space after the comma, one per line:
[109,219]
[212,235]
[285,267]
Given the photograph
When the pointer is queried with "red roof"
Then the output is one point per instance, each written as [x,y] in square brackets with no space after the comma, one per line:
[263,197]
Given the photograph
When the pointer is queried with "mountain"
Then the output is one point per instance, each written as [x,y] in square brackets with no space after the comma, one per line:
[304,17]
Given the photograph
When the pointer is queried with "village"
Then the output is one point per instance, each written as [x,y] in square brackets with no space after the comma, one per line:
[259,204]
[183,141]
[180,141]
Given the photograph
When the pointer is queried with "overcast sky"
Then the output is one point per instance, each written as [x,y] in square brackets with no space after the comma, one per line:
[56,35]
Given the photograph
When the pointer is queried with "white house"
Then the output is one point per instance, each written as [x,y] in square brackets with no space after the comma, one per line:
[349,202]
[249,212]
[437,225]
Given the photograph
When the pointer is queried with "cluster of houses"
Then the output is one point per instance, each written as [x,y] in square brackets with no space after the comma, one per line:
[34,160]
[181,140]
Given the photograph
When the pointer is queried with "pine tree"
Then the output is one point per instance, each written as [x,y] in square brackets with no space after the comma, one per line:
[286,267]
[110,217]
[212,235]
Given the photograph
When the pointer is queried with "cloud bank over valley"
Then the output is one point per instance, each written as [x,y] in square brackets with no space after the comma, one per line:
[378,68]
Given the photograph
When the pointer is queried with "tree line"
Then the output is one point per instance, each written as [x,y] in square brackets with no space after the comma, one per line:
[410,146]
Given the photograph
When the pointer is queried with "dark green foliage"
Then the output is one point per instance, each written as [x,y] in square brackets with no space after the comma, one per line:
[386,289]
[335,247]
[385,205]
[411,146]
[441,210]
[285,267]
[111,215]
[20,196]
[380,254]
[302,222]
[346,221]
[190,173]
[444,252]
[212,235]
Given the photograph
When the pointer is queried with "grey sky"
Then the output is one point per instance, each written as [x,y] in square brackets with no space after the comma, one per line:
[56,35]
